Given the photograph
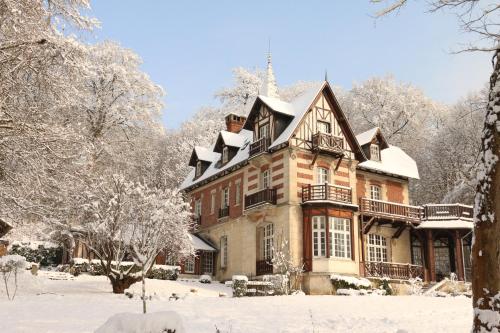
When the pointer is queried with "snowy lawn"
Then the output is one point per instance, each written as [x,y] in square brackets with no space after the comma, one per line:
[83,304]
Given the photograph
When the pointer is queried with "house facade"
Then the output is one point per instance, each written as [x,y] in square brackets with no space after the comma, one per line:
[294,173]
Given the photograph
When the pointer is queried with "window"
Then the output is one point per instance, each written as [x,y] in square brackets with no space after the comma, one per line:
[189,265]
[265,179]
[198,168]
[212,202]
[197,207]
[340,237]
[375,152]
[377,248]
[224,203]
[324,127]
[322,175]
[267,241]
[208,263]
[223,251]
[264,131]
[319,236]
[225,154]
[375,192]
[237,195]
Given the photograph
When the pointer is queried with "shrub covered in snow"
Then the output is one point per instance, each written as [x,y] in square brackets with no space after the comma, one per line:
[42,253]
[157,322]
[205,279]
[239,285]
[384,285]
[279,283]
[349,282]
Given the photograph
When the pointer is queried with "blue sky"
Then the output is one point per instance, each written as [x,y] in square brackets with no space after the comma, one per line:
[190,47]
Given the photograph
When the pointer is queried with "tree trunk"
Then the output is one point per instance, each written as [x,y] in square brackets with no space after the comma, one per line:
[486,245]
[143,291]
[121,284]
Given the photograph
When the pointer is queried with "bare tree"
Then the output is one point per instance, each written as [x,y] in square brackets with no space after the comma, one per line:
[482,19]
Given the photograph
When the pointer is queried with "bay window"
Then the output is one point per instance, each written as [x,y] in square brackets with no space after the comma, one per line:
[340,237]
[319,236]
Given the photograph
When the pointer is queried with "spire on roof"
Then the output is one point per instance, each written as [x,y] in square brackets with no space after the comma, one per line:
[269,87]
[326,75]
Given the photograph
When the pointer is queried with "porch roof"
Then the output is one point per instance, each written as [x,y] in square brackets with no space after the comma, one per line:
[446,224]
[200,244]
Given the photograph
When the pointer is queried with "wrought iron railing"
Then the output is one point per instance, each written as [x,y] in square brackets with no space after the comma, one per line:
[264,267]
[224,212]
[267,195]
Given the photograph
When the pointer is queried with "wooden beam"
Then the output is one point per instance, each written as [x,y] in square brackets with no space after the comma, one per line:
[338,163]
[399,231]
[368,225]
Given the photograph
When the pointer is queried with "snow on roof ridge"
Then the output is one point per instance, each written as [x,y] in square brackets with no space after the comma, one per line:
[366,136]
[393,161]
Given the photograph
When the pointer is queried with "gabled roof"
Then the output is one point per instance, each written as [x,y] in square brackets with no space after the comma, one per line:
[202,154]
[229,139]
[393,161]
[5,227]
[367,137]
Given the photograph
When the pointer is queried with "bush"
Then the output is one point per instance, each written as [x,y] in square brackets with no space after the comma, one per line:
[384,285]
[164,272]
[279,284]
[349,282]
[205,279]
[43,253]
[239,285]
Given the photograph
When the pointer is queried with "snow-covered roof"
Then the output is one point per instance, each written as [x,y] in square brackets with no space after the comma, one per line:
[367,136]
[446,224]
[393,161]
[205,154]
[278,105]
[241,140]
[200,244]
[233,139]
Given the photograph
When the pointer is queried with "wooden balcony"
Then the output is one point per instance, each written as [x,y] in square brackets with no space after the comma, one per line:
[223,212]
[448,212]
[390,210]
[259,146]
[327,192]
[328,143]
[263,267]
[393,270]
[261,197]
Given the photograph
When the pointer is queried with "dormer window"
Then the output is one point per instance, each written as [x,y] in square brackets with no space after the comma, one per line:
[225,155]
[375,152]
[264,131]
[198,168]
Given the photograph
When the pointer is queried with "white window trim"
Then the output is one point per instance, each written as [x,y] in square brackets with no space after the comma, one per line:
[324,122]
[266,174]
[344,234]
[198,168]
[197,207]
[318,180]
[267,241]
[191,261]
[237,193]
[212,202]
[374,152]
[372,192]
[204,258]
[224,201]
[225,155]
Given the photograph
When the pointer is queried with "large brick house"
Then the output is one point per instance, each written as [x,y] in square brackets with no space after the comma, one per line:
[296,171]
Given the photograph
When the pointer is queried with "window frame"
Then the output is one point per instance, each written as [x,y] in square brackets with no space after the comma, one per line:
[326,124]
[210,257]
[318,225]
[375,152]
[265,177]
[198,168]
[223,251]
[264,134]
[224,201]
[187,263]
[378,192]
[212,202]
[340,235]
[377,248]
[197,207]
[267,242]
[319,175]
[237,193]
[225,154]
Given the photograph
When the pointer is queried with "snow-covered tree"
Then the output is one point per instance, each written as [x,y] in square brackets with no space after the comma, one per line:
[481,18]
[125,220]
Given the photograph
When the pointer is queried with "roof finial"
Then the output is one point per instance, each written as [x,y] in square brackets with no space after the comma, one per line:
[269,87]
[326,75]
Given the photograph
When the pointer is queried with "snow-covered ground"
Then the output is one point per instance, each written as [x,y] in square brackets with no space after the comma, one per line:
[85,303]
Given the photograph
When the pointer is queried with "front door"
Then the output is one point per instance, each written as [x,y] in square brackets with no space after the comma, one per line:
[444,256]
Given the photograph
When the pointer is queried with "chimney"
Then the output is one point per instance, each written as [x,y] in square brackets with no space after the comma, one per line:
[234,123]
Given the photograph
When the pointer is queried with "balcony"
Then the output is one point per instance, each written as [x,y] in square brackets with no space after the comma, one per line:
[392,270]
[259,146]
[223,212]
[390,210]
[261,197]
[263,267]
[328,143]
[326,192]
[448,212]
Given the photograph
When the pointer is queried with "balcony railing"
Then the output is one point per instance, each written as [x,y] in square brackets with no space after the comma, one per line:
[264,267]
[267,195]
[327,192]
[328,143]
[390,210]
[259,146]
[224,212]
[448,212]
[393,270]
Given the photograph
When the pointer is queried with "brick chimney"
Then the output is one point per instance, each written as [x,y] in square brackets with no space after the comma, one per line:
[234,123]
